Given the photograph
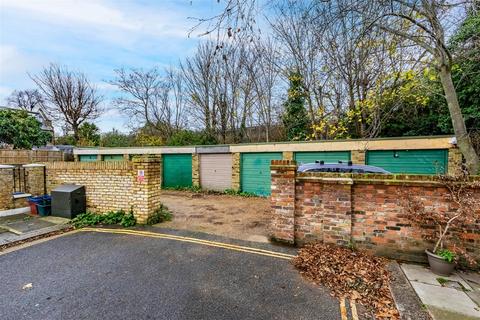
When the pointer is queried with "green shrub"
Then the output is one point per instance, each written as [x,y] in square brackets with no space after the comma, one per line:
[198,189]
[232,192]
[161,214]
[110,218]
[446,254]
[195,189]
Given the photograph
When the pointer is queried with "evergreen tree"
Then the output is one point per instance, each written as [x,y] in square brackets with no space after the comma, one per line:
[295,118]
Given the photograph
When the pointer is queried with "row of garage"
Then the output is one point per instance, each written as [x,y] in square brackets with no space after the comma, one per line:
[216,169]
[247,166]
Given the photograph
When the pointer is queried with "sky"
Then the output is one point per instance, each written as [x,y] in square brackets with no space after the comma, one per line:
[95,37]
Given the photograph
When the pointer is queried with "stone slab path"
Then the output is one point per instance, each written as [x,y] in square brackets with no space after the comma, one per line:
[446,298]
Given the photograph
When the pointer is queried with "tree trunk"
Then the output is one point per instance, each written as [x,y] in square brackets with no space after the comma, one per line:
[463,139]
[76,135]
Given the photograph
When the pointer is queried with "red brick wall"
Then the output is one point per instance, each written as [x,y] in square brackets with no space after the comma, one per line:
[283,200]
[366,211]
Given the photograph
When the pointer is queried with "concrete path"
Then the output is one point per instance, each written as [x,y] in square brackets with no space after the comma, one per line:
[24,226]
[145,274]
[446,298]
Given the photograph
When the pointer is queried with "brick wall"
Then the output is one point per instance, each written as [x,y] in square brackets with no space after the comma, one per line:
[113,185]
[195,170]
[236,171]
[6,189]
[364,210]
[358,156]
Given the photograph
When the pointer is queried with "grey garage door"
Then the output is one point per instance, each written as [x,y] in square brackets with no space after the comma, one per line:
[216,171]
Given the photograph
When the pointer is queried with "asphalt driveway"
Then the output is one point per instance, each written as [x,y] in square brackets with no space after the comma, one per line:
[93,275]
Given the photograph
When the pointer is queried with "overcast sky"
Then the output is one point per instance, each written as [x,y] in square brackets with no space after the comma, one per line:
[94,37]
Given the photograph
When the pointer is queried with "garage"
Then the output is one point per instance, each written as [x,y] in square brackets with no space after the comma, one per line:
[255,172]
[216,171]
[87,158]
[410,161]
[112,157]
[177,170]
[326,156]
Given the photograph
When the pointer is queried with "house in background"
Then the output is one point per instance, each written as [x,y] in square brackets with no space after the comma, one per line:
[40,115]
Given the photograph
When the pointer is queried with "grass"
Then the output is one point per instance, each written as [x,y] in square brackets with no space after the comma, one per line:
[197,189]
[161,214]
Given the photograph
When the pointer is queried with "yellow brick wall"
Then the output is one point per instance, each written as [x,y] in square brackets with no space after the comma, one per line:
[287,155]
[236,171]
[6,189]
[358,156]
[113,185]
[195,170]
[454,161]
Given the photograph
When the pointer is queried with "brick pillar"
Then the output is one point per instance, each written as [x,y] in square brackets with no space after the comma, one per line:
[99,157]
[146,186]
[454,161]
[287,155]
[6,189]
[358,156]
[236,171]
[283,200]
[336,195]
[195,170]
[126,157]
[35,180]
[76,158]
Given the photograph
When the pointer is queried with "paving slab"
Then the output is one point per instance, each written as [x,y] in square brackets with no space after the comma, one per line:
[424,275]
[23,226]
[452,301]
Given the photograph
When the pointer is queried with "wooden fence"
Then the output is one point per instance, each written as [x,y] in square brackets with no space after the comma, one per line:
[29,156]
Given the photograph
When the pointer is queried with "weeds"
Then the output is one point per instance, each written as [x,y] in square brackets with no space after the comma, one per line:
[195,189]
[161,214]
[230,192]
[119,217]
[233,192]
[442,281]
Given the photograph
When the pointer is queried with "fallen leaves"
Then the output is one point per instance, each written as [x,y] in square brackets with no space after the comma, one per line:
[349,273]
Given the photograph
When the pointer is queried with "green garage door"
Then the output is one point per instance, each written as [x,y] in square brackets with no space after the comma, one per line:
[177,170]
[327,156]
[255,172]
[410,161]
[87,158]
[113,157]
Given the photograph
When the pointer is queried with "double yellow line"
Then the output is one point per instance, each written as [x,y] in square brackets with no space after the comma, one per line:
[343,309]
[228,246]
[268,253]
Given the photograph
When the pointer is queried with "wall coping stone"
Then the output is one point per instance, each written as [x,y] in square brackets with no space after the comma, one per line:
[327,180]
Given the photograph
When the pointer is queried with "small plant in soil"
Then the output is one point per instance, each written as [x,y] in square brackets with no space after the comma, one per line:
[463,212]
[119,217]
[442,281]
[233,192]
[161,214]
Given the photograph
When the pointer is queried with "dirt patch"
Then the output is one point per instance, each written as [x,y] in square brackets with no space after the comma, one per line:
[232,216]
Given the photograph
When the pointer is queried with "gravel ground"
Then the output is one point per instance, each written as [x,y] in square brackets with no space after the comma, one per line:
[231,216]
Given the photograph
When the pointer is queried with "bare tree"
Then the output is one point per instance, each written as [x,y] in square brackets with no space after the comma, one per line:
[148,96]
[71,96]
[425,24]
[265,75]
[28,100]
